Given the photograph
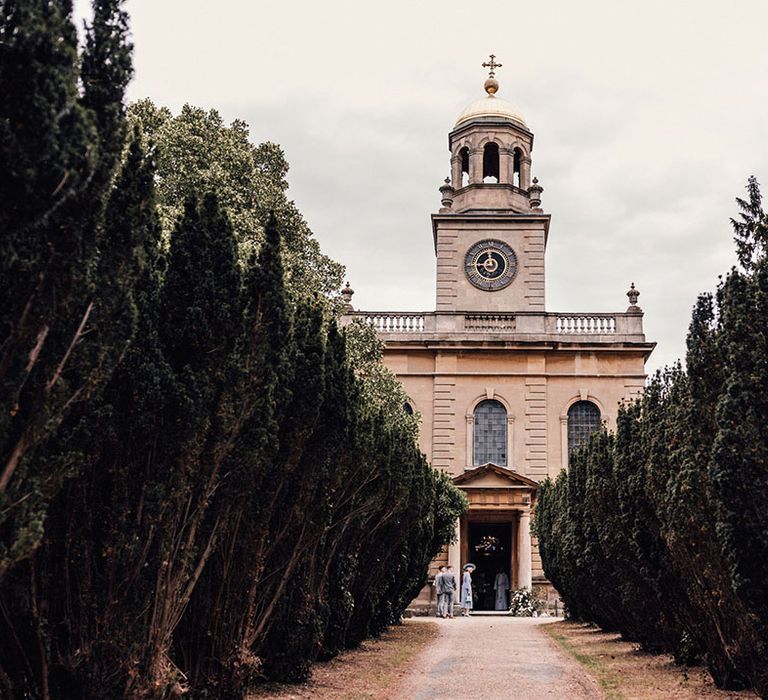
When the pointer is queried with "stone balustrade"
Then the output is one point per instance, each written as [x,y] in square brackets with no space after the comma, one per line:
[522,325]
[490,322]
[394,322]
[586,324]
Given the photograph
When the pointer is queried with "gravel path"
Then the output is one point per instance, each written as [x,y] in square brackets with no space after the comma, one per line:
[495,657]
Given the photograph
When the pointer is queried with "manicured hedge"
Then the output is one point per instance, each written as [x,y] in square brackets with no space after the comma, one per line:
[660,530]
[204,481]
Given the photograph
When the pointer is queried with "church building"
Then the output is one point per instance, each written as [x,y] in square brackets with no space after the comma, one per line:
[504,387]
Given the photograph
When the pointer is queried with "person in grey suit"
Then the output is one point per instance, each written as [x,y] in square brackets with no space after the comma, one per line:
[440,591]
[449,586]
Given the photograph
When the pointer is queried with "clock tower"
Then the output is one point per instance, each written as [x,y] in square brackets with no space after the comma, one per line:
[503,389]
[490,233]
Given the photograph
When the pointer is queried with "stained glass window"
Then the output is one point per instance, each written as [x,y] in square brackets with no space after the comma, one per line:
[583,420]
[490,436]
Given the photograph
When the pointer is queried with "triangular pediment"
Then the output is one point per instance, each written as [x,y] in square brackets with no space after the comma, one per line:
[493,476]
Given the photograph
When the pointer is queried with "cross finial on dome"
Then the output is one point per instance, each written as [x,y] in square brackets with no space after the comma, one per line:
[491,85]
[492,65]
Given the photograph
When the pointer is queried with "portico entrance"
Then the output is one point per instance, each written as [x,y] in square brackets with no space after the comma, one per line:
[490,549]
[495,535]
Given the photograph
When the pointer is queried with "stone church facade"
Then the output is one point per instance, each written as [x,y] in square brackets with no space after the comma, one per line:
[504,388]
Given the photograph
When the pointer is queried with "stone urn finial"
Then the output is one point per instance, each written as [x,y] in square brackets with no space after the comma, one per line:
[633,294]
[346,295]
[446,194]
[534,192]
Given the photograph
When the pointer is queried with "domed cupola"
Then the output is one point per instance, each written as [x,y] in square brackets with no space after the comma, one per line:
[490,147]
[491,108]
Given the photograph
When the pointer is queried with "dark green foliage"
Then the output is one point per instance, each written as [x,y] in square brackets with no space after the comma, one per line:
[751,229]
[738,468]
[204,481]
[330,484]
[661,530]
[639,468]
[216,634]
[47,134]
[56,163]
[80,567]
[106,70]
[198,152]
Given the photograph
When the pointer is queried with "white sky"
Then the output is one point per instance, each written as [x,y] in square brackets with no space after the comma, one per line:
[648,119]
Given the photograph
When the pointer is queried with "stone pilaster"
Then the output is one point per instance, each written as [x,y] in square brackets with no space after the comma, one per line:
[469,440]
[444,424]
[533,261]
[447,269]
[536,427]
[563,442]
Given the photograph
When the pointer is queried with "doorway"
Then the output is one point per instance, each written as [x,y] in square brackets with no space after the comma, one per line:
[490,550]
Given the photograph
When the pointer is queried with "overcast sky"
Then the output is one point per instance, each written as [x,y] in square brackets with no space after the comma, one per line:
[648,118]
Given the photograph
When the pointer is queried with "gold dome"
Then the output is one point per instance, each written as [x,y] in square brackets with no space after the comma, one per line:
[491,106]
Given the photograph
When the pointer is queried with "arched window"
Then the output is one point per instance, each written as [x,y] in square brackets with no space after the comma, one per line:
[583,420]
[517,157]
[490,434]
[491,163]
[464,155]
[408,408]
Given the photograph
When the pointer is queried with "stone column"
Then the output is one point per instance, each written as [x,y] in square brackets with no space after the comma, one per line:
[456,172]
[475,166]
[525,173]
[524,577]
[454,559]
[506,165]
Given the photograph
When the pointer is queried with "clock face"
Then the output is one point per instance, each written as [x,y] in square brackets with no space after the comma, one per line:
[490,265]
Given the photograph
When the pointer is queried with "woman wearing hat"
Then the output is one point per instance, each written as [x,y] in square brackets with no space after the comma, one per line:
[466,590]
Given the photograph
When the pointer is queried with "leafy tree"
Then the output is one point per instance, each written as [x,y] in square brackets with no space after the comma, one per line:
[199,153]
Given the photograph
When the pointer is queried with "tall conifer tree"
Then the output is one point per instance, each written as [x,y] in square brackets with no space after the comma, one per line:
[92,541]
[183,442]
[55,174]
[739,466]
[215,637]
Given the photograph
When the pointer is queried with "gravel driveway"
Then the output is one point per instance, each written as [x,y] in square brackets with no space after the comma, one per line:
[495,657]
